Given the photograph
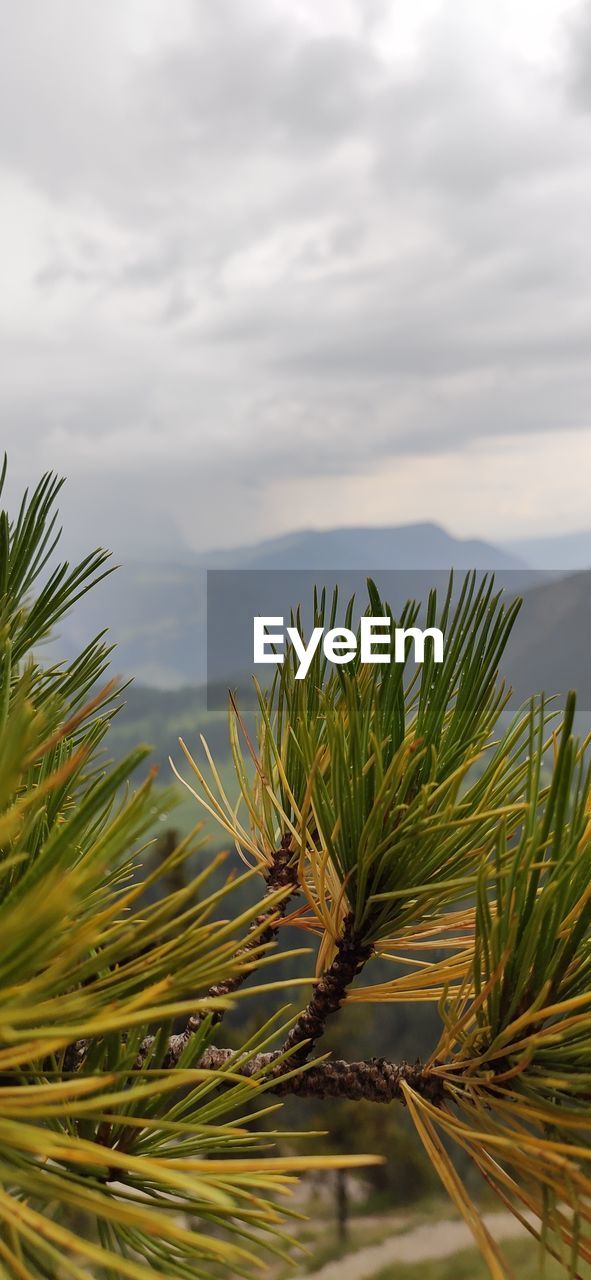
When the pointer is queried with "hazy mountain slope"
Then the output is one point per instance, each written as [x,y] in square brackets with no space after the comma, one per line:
[549,651]
[411,546]
[156,611]
[563,551]
[155,614]
[160,716]
[550,648]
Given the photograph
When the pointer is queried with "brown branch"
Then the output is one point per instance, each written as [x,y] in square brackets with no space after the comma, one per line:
[373,1081]
[329,993]
[282,874]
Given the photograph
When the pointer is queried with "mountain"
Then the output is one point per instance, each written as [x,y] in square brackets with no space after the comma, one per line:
[559,551]
[155,615]
[156,611]
[408,546]
[549,649]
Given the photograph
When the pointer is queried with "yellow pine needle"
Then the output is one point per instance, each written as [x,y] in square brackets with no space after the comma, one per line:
[457,1192]
[214,808]
[274,1164]
[32,1224]
[458,1025]
[17,1266]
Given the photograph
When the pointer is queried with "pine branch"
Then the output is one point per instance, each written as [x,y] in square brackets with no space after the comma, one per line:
[329,993]
[282,874]
[374,1081]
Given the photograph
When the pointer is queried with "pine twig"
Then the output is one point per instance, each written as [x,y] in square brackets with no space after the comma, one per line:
[374,1081]
[329,993]
[282,874]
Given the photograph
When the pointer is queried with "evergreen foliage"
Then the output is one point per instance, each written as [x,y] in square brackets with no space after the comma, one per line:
[111,1163]
[423,822]
[386,811]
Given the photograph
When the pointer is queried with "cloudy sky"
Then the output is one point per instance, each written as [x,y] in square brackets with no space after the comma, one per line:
[283,263]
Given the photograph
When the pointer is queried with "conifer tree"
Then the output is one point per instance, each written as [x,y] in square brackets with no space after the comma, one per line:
[386,812]
[124,1151]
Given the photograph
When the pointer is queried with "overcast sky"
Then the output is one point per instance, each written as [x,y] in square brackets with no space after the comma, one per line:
[275,263]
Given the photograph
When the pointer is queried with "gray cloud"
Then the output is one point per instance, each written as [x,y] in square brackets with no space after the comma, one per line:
[579,81]
[256,248]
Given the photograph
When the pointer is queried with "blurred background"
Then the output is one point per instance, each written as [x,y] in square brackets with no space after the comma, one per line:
[289,285]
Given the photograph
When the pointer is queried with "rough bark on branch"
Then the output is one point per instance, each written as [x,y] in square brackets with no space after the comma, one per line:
[329,993]
[282,874]
[374,1081]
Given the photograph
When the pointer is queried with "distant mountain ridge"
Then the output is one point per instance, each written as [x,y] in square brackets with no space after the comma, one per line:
[424,545]
[562,551]
[548,651]
[156,611]
[549,648]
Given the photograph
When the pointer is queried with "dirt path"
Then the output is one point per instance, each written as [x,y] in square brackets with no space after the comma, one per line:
[425,1243]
